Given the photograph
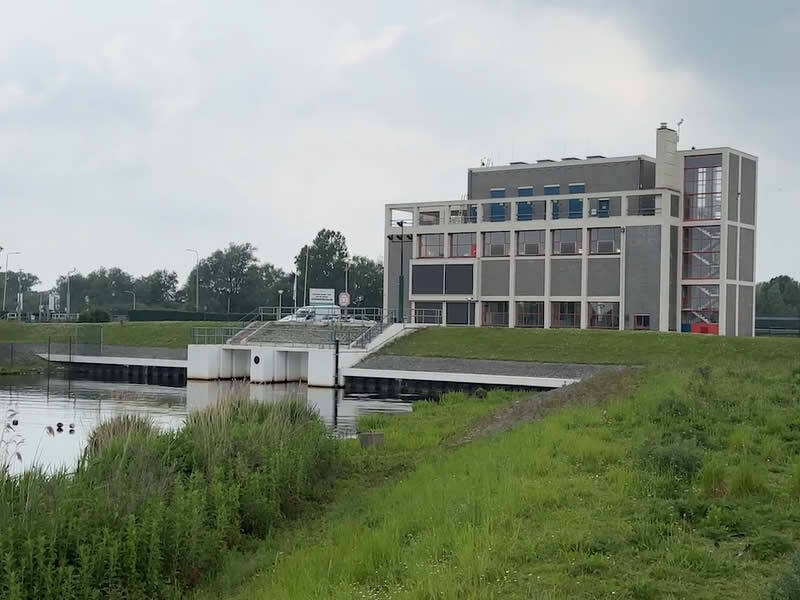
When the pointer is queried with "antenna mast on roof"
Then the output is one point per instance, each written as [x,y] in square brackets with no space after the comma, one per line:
[679,127]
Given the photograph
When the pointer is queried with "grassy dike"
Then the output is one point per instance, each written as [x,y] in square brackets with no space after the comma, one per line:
[165,334]
[684,485]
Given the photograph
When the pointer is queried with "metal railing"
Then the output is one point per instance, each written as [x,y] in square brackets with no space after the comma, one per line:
[213,335]
[643,211]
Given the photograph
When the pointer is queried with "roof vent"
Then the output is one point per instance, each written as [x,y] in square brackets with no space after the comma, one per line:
[545,160]
[663,125]
[595,156]
[570,158]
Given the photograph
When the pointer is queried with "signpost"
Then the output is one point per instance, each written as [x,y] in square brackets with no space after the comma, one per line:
[344,299]
[321,296]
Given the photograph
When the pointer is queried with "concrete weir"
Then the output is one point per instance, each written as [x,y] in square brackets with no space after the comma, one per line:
[271,364]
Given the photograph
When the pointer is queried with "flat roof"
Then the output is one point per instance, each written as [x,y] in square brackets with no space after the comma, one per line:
[568,162]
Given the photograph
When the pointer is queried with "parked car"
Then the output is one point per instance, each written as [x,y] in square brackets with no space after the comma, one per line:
[318,314]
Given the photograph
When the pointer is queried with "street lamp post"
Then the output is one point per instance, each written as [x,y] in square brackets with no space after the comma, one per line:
[196,279]
[69,304]
[280,304]
[132,293]
[401,281]
[5,283]
[347,265]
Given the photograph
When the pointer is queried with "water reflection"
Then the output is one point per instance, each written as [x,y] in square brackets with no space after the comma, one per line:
[39,403]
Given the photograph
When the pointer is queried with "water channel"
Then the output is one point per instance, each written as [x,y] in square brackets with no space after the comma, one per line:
[38,403]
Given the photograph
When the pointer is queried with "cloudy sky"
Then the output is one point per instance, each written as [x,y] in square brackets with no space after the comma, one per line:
[131,131]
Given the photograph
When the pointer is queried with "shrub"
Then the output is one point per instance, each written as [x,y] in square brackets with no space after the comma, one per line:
[371,422]
[748,480]
[119,427]
[95,315]
[147,514]
[712,480]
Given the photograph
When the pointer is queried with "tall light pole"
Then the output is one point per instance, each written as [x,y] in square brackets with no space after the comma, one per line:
[134,297]
[347,265]
[196,279]
[69,304]
[401,281]
[280,304]
[5,283]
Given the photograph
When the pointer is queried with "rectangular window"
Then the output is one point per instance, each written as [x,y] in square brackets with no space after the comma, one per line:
[575,208]
[567,241]
[552,190]
[530,243]
[604,240]
[497,212]
[701,247]
[577,188]
[699,306]
[431,245]
[604,315]
[497,193]
[524,211]
[702,186]
[525,191]
[463,213]
[641,321]
[495,314]
[496,243]
[429,217]
[462,245]
[530,314]
[643,206]
[565,314]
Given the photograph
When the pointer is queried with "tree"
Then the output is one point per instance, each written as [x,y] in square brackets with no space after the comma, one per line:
[365,282]
[223,276]
[326,261]
[780,296]
[157,289]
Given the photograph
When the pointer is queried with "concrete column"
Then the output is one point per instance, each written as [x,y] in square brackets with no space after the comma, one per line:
[262,365]
[663,301]
[512,280]
[585,278]
[548,245]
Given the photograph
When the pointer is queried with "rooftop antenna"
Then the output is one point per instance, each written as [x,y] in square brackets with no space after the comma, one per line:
[679,127]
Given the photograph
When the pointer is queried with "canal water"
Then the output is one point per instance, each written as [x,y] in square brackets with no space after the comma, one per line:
[37,404]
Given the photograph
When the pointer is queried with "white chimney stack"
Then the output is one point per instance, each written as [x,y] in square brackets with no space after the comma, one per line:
[668,161]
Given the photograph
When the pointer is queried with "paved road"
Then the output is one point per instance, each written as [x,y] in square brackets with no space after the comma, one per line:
[489,367]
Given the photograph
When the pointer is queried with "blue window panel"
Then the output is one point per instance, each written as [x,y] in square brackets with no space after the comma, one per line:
[556,210]
[577,188]
[497,212]
[552,190]
[575,208]
[603,208]
[525,191]
[497,193]
[525,211]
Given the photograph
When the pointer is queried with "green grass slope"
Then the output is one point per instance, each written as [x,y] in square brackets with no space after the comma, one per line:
[168,334]
[685,486]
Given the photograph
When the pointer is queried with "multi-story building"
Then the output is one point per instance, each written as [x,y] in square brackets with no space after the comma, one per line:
[631,242]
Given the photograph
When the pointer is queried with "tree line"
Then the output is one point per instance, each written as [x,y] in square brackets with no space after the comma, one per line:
[231,279]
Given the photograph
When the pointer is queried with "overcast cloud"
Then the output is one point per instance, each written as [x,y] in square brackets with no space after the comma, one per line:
[131,131]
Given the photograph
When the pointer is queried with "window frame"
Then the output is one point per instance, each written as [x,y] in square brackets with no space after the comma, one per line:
[526,188]
[542,242]
[636,321]
[433,213]
[576,315]
[581,191]
[616,238]
[494,193]
[422,237]
[538,315]
[556,239]
[473,246]
[487,245]
[593,319]
[547,190]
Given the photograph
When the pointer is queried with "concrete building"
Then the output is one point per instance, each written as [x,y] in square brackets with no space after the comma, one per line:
[633,242]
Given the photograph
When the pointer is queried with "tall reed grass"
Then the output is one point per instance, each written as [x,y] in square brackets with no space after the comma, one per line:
[147,514]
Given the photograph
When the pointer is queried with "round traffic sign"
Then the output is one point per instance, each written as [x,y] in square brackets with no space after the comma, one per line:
[344,299]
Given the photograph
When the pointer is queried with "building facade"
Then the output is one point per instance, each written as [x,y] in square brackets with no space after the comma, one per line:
[633,242]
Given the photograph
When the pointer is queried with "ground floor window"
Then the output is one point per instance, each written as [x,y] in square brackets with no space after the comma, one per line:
[641,321]
[460,313]
[565,314]
[428,312]
[530,314]
[495,314]
[604,315]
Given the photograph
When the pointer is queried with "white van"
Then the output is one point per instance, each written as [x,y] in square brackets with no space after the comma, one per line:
[319,314]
